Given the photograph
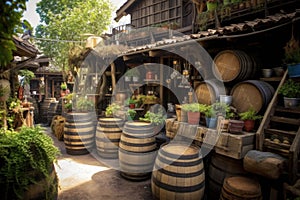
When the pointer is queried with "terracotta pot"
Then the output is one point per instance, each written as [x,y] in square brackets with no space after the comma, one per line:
[193,118]
[249,125]
[132,106]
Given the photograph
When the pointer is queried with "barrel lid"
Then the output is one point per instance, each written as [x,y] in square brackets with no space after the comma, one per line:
[110,119]
[242,186]
[227,65]
[138,123]
[181,149]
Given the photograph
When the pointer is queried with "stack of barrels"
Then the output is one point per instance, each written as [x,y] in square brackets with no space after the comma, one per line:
[235,74]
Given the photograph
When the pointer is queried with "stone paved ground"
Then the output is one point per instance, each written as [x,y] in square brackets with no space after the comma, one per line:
[84,177]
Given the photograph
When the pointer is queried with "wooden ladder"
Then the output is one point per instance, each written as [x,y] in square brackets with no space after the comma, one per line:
[279,132]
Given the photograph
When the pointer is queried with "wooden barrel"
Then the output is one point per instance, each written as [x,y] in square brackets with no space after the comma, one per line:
[108,135]
[79,133]
[178,172]
[252,93]
[44,109]
[51,111]
[137,150]
[233,66]
[221,167]
[207,92]
[241,188]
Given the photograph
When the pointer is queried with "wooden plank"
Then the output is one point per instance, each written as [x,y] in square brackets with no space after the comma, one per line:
[285,120]
[288,110]
[280,132]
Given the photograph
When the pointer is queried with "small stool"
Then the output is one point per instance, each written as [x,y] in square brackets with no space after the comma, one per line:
[240,188]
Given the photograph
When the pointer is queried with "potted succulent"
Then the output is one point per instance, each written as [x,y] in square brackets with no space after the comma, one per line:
[27,164]
[290,91]
[193,112]
[249,117]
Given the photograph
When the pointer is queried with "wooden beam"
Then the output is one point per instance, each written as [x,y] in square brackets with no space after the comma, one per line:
[113,75]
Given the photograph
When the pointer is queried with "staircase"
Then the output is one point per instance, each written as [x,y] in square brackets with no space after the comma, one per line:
[279,133]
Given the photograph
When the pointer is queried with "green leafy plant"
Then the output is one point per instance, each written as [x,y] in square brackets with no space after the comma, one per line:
[63,86]
[155,118]
[194,107]
[292,52]
[84,105]
[290,89]
[223,109]
[25,156]
[4,90]
[132,73]
[210,112]
[111,109]
[250,115]
[27,74]
[131,113]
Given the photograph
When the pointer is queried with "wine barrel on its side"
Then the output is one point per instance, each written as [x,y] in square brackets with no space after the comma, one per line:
[252,94]
[234,66]
[137,150]
[240,187]
[207,92]
[178,172]
[221,167]
[79,133]
[108,136]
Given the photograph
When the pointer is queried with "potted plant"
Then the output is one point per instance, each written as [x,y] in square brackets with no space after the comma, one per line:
[249,117]
[27,164]
[193,112]
[112,109]
[130,114]
[210,116]
[132,102]
[26,76]
[156,118]
[292,57]
[224,114]
[63,88]
[84,105]
[290,91]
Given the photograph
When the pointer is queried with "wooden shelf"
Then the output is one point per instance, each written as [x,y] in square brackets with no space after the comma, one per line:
[271,79]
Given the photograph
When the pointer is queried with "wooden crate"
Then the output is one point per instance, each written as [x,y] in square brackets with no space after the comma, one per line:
[235,145]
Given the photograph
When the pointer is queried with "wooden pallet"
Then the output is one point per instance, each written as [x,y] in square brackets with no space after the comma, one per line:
[279,133]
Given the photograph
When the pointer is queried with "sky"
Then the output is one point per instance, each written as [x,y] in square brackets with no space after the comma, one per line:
[33,18]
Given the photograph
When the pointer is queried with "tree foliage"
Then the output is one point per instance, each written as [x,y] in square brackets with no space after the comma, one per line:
[11,13]
[69,21]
